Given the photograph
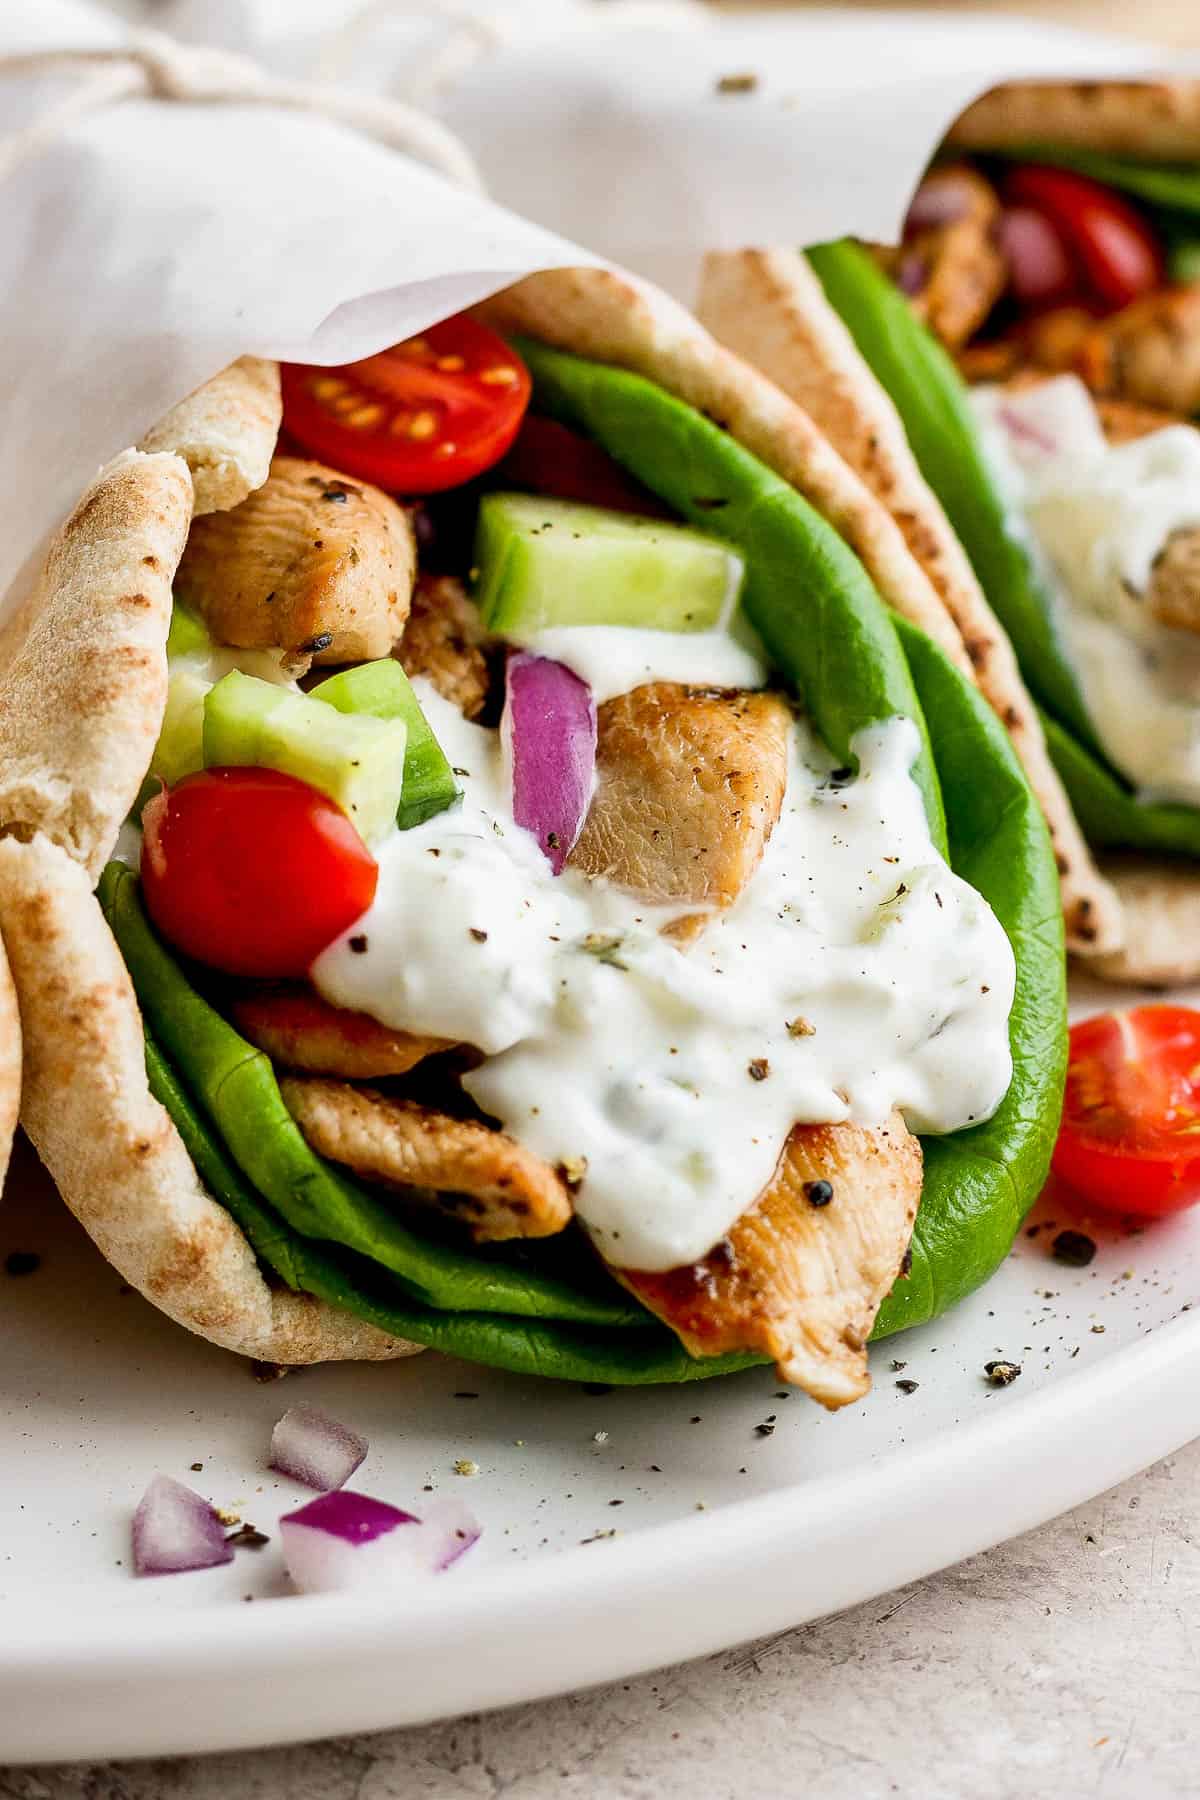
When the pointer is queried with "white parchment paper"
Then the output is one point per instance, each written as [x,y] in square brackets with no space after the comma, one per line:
[155,241]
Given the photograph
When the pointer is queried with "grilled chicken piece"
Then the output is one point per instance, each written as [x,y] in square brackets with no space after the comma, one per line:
[1000,359]
[1148,352]
[952,269]
[690,783]
[309,563]
[801,1278]
[298,1029]
[460,1167]
[441,641]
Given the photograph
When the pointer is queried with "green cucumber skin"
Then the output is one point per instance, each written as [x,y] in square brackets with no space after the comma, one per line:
[845,655]
[236,1086]
[543,563]
[805,592]
[383,691]
[930,398]
[980,1183]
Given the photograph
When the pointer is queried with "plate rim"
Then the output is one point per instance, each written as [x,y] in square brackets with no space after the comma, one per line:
[697,1585]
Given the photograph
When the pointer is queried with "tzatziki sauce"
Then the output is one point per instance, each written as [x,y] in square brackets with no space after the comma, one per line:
[613,659]
[1095,517]
[856,973]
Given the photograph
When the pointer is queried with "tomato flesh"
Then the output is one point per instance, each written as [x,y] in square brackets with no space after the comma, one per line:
[252,871]
[426,415]
[1130,1136]
[550,458]
[1119,258]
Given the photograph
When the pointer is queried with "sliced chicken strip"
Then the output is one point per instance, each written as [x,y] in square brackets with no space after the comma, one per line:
[459,1167]
[690,784]
[307,563]
[801,1275]
[299,1030]
[952,270]
[442,642]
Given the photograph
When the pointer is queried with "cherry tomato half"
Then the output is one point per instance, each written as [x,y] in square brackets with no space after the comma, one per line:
[1130,1136]
[1118,255]
[425,415]
[252,871]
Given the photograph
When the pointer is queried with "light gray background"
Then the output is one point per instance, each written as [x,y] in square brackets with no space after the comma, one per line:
[1065,1664]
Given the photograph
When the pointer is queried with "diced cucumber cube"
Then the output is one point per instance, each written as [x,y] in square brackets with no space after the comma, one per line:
[544,563]
[189,635]
[356,759]
[383,691]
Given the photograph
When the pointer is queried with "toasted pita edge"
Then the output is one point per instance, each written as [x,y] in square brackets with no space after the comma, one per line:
[618,319]
[225,432]
[81,700]
[113,1152]
[1160,902]
[769,306]
[1156,120]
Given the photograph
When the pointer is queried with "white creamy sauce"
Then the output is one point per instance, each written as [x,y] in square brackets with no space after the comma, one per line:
[1096,518]
[613,659]
[671,1079]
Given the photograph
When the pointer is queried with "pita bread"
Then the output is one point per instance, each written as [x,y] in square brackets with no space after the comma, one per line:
[612,317]
[117,1159]
[82,699]
[114,1153]
[1160,901]
[1158,121]
[770,307]
[225,432]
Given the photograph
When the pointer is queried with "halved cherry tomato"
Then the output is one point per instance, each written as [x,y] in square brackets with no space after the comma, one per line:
[1118,255]
[252,871]
[1130,1136]
[552,459]
[425,415]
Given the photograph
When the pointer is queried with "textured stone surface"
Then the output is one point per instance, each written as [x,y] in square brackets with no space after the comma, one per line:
[1064,1664]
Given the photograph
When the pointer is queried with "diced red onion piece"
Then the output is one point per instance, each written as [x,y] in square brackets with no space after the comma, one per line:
[1024,431]
[347,1540]
[1039,268]
[174,1531]
[448,1529]
[912,272]
[549,726]
[940,201]
[314,1448]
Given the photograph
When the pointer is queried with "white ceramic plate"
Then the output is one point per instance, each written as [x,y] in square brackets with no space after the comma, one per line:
[622,1530]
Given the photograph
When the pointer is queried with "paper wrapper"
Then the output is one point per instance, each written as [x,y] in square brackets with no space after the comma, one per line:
[155,241]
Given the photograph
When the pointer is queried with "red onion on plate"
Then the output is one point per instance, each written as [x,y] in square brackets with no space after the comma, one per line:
[448,1529]
[549,728]
[314,1448]
[175,1531]
[348,1540]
